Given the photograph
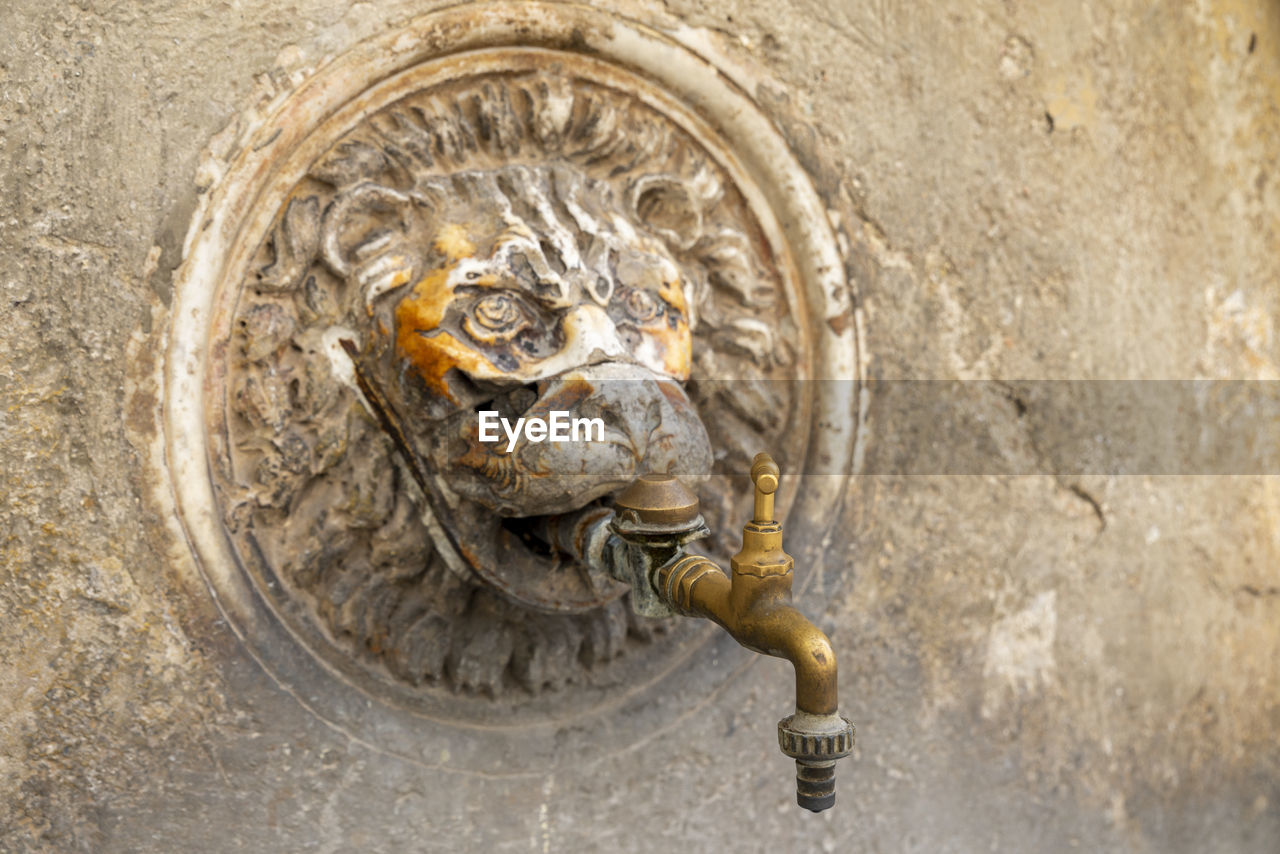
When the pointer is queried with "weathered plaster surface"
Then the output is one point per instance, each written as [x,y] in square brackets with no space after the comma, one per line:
[1034,663]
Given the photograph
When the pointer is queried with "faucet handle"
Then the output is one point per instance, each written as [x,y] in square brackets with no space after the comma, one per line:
[765,475]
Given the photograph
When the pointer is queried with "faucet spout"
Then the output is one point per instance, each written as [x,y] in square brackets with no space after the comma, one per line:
[760,619]
[810,653]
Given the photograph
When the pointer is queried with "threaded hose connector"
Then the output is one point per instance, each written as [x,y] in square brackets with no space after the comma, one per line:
[815,742]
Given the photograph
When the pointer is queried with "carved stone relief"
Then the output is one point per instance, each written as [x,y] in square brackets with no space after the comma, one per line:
[523,241]
[517,208]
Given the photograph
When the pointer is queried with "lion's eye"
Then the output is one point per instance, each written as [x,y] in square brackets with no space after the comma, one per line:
[496,317]
[641,305]
[497,311]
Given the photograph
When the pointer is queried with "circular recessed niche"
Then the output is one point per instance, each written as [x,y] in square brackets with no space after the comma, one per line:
[394,607]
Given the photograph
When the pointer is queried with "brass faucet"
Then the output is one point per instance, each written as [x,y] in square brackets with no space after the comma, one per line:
[642,544]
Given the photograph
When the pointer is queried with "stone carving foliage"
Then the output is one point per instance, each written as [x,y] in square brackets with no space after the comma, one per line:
[506,241]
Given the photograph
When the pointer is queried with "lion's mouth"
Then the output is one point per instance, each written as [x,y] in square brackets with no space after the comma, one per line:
[486,501]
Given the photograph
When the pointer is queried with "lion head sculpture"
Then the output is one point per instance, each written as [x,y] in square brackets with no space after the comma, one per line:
[523,290]
[520,244]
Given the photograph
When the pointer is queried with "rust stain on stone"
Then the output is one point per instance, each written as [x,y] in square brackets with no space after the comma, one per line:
[840,322]
[453,241]
[431,351]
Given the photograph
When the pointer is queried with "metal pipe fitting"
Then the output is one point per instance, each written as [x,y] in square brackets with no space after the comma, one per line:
[653,520]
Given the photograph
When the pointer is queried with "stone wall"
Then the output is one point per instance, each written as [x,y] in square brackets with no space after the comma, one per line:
[1041,660]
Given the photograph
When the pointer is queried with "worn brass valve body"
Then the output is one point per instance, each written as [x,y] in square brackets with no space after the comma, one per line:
[753,604]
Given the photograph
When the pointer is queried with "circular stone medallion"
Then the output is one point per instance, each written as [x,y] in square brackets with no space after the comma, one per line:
[500,223]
